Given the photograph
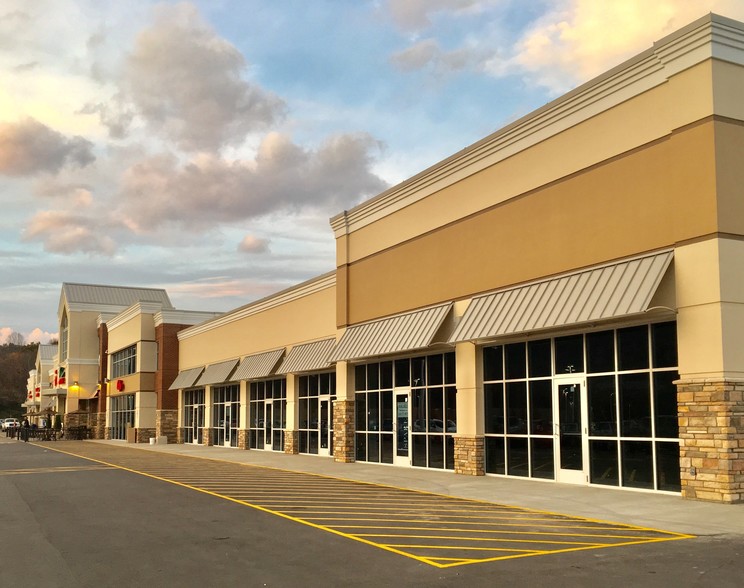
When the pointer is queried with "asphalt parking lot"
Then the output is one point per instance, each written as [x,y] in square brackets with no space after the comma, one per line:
[360,532]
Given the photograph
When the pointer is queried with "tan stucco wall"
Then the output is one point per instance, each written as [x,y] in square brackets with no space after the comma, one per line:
[647,199]
[300,320]
[710,297]
[140,327]
[639,121]
[83,335]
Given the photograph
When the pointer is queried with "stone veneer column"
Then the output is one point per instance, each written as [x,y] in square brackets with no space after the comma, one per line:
[207,437]
[711,430]
[144,435]
[244,439]
[343,431]
[98,423]
[180,435]
[166,424]
[291,442]
[470,454]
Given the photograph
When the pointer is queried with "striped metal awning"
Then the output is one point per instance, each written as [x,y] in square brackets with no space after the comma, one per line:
[259,365]
[186,378]
[605,292]
[308,357]
[404,332]
[217,373]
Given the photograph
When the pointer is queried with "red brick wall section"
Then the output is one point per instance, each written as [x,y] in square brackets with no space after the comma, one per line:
[167,370]
[711,431]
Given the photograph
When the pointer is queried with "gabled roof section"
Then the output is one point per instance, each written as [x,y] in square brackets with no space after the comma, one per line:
[100,297]
[47,352]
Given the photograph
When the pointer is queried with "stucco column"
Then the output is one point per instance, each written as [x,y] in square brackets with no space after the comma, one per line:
[710,332]
[291,433]
[469,440]
[207,437]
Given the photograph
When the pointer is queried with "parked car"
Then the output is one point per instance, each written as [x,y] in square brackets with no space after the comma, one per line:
[10,423]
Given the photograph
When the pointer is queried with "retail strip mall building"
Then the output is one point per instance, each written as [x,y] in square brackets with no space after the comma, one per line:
[562,300]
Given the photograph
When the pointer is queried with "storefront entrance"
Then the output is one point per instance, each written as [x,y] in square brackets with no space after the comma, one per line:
[226,407]
[401,428]
[571,440]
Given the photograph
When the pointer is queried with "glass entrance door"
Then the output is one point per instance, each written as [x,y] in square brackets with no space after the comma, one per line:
[198,424]
[570,431]
[325,428]
[402,429]
[267,425]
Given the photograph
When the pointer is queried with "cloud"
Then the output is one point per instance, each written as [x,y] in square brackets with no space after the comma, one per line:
[427,54]
[580,39]
[66,232]
[188,84]
[29,147]
[414,15]
[115,115]
[38,335]
[251,244]
[209,190]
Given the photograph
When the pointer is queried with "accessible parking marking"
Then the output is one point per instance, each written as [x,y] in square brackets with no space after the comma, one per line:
[438,530]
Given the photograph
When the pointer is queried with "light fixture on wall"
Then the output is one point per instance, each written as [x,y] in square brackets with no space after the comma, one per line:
[75,387]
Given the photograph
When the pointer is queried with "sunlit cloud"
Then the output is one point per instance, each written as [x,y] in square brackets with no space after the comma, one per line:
[251,244]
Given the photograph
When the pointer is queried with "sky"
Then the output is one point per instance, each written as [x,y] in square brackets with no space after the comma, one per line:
[203,146]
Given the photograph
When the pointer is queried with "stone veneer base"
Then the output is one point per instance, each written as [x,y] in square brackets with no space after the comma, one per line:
[711,431]
[470,455]
[343,431]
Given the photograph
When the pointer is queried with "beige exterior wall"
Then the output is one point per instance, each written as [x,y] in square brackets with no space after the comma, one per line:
[83,338]
[710,295]
[652,116]
[299,320]
[661,194]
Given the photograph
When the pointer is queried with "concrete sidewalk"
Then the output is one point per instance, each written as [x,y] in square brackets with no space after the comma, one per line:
[657,511]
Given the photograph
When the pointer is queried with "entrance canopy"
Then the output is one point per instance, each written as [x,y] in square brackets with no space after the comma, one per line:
[403,332]
[217,373]
[260,365]
[308,357]
[186,378]
[610,291]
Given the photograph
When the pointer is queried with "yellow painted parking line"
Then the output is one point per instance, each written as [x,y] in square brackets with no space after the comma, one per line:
[439,530]
[53,470]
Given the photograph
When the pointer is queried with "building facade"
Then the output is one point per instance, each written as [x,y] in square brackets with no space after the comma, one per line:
[580,273]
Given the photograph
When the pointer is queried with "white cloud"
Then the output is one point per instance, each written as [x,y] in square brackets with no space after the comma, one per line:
[579,39]
[40,336]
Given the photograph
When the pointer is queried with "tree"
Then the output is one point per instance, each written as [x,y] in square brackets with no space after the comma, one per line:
[15,338]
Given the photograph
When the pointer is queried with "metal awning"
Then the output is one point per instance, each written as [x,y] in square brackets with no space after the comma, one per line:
[605,292]
[217,373]
[186,378]
[404,332]
[308,357]
[259,365]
